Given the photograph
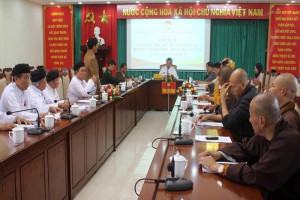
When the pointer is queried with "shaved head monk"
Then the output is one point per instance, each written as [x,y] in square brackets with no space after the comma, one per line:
[237,119]
[270,160]
[284,88]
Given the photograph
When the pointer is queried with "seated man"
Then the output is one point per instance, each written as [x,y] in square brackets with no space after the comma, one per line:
[168,69]
[16,97]
[270,160]
[237,119]
[40,99]
[223,78]
[52,84]
[107,76]
[7,122]
[213,87]
[210,76]
[121,74]
[284,87]
[78,87]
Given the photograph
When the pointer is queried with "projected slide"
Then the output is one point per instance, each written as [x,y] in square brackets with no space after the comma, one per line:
[151,41]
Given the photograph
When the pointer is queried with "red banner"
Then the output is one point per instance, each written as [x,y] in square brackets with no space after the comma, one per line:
[284,39]
[168,88]
[207,11]
[58,36]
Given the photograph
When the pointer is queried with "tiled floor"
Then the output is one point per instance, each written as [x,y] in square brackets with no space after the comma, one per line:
[116,178]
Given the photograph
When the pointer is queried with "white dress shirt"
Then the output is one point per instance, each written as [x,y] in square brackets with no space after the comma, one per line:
[14,99]
[40,99]
[52,93]
[79,89]
[165,70]
[6,118]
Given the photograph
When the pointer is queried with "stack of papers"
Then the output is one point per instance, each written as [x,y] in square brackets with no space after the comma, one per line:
[201,103]
[83,101]
[197,111]
[204,170]
[219,139]
[25,126]
[213,124]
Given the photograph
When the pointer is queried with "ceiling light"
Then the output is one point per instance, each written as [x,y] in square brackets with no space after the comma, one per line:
[51,3]
[137,2]
[108,2]
[292,1]
[167,1]
[228,1]
[79,2]
[287,4]
[197,1]
[58,6]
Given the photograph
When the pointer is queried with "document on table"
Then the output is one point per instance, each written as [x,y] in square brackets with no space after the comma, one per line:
[25,126]
[219,139]
[83,101]
[204,170]
[213,124]
[197,111]
[201,103]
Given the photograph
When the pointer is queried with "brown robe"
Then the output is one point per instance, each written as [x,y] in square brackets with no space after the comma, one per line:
[91,65]
[230,101]
[290,115]
[272,166]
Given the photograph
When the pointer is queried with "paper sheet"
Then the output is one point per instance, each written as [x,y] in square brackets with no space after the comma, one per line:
[201,103]
[213,124]
[204,170]
[25,126]
[197,111]
[83,101]
[221,139]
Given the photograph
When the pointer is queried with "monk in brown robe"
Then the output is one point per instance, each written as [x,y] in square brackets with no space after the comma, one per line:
[230,100]
[284,87]
[270,161]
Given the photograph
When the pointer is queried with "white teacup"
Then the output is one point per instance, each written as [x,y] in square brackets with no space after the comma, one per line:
[75,109]
[186,126]
[180,165]
[17,135]
[92,102]
[189,99]
[104,96]
[188,92]
[183,105]
[49,121]
[123,87]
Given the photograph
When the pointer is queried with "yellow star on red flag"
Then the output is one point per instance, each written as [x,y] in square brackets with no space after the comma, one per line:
[104,18]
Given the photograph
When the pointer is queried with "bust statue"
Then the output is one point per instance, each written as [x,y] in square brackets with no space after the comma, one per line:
[97,35]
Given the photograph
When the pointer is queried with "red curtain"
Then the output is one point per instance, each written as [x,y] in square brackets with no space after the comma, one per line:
[108,30]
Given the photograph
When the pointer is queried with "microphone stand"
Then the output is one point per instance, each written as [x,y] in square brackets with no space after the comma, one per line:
[181,140]
[32,131]
[69,115]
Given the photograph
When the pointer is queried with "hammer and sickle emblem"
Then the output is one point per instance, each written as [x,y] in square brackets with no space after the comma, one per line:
[90,18]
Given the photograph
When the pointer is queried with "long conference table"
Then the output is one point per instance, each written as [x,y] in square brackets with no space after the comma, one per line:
[205,185]
[57,164]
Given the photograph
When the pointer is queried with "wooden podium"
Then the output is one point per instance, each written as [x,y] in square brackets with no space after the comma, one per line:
[101,55]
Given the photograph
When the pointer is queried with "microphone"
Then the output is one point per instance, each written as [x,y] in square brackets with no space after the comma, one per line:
[32,131]
[69,115]
[181,140]
[174,183]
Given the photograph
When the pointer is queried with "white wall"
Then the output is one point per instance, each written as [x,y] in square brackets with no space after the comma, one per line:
[21,33]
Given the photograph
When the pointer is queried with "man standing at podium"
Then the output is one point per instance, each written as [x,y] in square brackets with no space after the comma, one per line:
[168,69]
[91,63]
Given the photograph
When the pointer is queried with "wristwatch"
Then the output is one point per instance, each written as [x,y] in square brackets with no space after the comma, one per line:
[220,169]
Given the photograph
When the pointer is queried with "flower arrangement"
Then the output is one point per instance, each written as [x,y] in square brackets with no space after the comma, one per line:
[185,86]
[111,91]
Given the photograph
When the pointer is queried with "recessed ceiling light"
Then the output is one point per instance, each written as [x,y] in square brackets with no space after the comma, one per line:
[228,1]
[137,2]
[292,1]
[108,2]
[79,2]
[51,3]
[287,4]
[197,1]
[167,1]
